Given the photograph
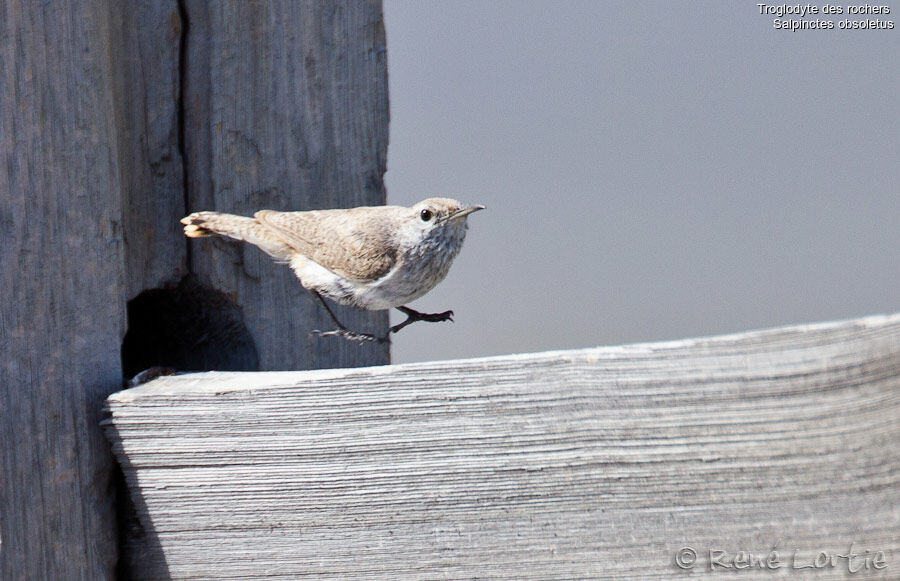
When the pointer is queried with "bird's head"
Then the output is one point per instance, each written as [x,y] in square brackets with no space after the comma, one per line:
[442,213]
[440,221]
[436,222]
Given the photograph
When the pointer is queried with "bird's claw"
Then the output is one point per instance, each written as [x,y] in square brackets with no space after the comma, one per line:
[438,317]
[350,335]
[413,315]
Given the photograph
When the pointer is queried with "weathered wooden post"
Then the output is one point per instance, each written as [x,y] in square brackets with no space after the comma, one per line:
[117,118]
[285,107]
[63,307]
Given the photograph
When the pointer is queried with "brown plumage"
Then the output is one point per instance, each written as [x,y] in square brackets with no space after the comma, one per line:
[365,252]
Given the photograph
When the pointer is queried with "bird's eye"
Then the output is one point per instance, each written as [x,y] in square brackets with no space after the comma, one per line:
[425,215]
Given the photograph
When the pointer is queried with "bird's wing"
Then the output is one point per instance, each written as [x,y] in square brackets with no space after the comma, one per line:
[343,241]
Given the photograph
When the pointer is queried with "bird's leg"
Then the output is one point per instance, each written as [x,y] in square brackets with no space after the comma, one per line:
[343,331]
[412,316]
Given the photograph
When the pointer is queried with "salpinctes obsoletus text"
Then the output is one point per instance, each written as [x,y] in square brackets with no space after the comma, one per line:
[372,257]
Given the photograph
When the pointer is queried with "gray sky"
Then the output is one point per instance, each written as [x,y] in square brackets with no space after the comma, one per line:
[652,170]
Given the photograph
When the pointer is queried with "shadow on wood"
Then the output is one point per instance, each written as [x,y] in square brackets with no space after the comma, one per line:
[593,463]
[189,327]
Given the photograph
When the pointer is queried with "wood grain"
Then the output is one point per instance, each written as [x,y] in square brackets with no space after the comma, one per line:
[147,37]
[285,108]
[63,310]
[288,103]
[596,463]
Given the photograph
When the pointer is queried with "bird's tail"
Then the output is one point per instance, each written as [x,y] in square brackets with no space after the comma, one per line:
[204,224]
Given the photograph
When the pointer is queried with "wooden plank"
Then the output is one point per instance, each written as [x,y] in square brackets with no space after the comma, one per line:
[596,463]
[285,108]
[62,311]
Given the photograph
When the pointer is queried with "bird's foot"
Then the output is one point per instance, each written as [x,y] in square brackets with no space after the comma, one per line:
[343,331]
[413,315]
[350,335]
[436,317]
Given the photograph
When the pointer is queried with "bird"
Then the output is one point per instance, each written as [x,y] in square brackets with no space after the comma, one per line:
[370,257]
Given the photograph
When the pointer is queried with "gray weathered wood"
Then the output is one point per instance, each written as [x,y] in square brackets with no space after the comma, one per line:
[597,463]
[92,185]
[147,37]
[285,108]
[63,310]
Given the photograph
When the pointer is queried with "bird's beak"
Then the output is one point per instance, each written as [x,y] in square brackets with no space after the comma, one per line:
[463,212]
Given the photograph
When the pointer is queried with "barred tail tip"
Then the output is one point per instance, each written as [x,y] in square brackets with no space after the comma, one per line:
[194,225]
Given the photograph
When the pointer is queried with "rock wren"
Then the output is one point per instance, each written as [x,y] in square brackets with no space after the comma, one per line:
[372,257]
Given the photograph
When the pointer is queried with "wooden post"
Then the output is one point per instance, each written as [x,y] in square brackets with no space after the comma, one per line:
[117,118]
[285,107]
[63,306]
